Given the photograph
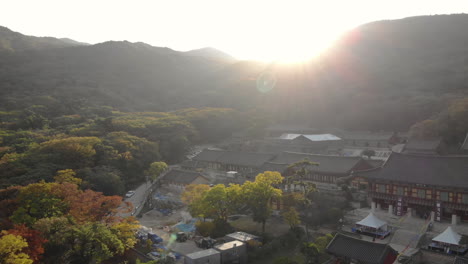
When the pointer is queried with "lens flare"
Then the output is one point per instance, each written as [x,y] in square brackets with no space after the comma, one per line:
[266,82]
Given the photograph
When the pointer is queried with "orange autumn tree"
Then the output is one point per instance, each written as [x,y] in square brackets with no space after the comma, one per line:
[58,215]
[34,239]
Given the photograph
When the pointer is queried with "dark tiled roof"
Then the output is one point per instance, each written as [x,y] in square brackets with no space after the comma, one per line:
[420,145]
[208,155]
[271,166]
[460,260]
[364,251]
[370,173]
[328,164]
[449,171]
[375,163]
[465,143]
[366,135]
[181,176]
[189,164]
[248,159]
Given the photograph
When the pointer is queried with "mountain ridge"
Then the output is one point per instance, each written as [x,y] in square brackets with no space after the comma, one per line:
[409,68]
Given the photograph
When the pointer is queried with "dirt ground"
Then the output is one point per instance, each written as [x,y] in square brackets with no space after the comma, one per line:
[163,225]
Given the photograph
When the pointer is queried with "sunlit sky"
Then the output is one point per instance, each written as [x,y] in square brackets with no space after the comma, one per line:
[286,30]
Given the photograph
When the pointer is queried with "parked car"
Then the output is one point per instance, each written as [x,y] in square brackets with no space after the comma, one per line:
[154,255]
[181,237]
[129,194]
[154,238]
[159,247]
[175,255]
[205,243]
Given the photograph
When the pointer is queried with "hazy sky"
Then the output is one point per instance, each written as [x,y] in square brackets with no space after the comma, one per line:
[246,29]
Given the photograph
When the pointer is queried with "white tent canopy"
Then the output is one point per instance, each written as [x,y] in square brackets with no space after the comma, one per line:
[372,221]
[448,236]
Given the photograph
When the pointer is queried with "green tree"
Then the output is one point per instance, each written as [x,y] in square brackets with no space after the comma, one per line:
[10,250]
[322,242]
[194,192]
[221,201]
[67,176]
[311,253]
[292,217]
[93,243]
[37,201]
[257,195]
[299,171]
[155,169]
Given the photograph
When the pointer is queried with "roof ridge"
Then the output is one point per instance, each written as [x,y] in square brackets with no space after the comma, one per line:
[427,156]
[322,155]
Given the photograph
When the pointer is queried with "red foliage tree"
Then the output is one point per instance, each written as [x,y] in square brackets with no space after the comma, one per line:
[35,241]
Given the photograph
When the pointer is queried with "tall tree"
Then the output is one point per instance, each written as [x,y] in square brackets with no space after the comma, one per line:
[258,195]
[292,217]
[299,171]
[155,169]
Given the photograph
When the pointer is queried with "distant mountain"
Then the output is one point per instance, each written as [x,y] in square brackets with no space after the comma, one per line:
[210,53]
[14,41]
[73,42]
[384,75]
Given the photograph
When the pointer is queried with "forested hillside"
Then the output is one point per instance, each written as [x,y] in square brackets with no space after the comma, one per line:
[382,75]
[11,41]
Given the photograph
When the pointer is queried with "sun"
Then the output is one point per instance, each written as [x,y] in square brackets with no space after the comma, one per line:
[283,46]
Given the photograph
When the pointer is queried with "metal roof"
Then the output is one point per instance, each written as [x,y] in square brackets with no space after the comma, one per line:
[229,245]
[203,253]
[311,137]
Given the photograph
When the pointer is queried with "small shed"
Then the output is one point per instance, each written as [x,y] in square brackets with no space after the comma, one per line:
[204,256]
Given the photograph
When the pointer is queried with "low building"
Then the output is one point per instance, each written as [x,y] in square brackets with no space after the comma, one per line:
[242,236]
[305,143]
[222,160]
[210,256]
[178,179]
[352,250]
[369,139]
[234,252]
[423,146]
[279,129]
[422,184]
[330,168]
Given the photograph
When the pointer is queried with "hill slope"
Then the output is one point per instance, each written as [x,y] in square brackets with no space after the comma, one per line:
[14,41]
[382,75]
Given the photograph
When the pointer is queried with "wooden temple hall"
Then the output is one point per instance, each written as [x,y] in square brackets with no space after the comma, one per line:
[424,186]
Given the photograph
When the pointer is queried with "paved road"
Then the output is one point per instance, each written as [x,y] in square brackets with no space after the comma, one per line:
[137,199]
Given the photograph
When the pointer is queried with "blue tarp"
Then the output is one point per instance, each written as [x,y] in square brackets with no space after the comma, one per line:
[189,227]
[159,196]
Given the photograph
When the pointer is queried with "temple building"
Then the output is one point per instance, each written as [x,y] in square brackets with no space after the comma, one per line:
[435,186]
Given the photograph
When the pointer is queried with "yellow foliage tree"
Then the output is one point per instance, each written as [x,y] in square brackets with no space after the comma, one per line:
[10,250]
